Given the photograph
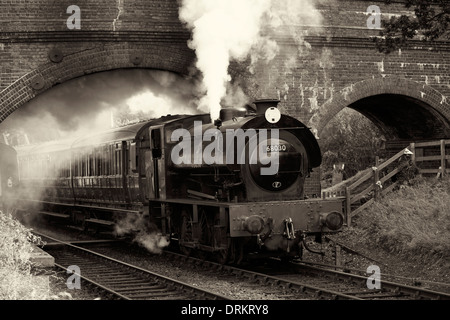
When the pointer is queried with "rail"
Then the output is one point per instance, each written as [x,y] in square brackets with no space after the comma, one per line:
[371,184]
[123,280]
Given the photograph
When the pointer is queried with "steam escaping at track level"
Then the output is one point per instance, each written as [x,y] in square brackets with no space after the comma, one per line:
[235,30]
[144,232]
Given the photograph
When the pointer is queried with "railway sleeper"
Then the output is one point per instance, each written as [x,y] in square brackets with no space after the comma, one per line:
[381,295]
[136,285]
[123,284]
[119,280]
[172,293]
[146,289]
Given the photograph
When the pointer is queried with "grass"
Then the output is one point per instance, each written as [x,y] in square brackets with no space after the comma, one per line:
[412,221]
[16,279]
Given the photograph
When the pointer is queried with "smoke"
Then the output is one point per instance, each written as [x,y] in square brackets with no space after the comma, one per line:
[237,30]
[95,102]
[144,232]
[222,30]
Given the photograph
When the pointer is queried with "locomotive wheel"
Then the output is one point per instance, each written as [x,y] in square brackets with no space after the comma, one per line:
[186,232]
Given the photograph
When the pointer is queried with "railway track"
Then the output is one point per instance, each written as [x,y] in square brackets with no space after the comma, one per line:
[310,282]
[295,280]
[356,285]
[121,280]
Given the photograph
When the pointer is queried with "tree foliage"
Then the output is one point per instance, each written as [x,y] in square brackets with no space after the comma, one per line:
[431,21]
[352,139]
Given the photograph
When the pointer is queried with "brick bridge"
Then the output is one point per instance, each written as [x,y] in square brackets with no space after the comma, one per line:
[406,93]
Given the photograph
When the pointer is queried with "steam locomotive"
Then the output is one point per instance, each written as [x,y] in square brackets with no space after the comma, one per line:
[233,188]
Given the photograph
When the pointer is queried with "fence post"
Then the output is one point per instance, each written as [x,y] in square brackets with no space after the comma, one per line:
[413,150]
[443,160]
[376,176]
[348,205]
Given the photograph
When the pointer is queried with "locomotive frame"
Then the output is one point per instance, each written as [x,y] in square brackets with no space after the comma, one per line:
[219,209]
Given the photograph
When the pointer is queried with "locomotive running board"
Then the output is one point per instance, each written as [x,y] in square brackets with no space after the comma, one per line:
[305,214]
[196,202]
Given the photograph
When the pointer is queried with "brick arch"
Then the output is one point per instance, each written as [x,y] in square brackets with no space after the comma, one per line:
[373,87]
[174,58]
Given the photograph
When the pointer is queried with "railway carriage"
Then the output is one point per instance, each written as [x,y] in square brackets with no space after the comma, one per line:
[225,207]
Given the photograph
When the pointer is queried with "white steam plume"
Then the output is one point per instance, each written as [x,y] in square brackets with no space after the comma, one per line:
[227,30]
[222,30]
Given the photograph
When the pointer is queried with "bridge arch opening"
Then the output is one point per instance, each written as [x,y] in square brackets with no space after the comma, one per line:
[402,117]
[376,125]
[176,58]
[402,108]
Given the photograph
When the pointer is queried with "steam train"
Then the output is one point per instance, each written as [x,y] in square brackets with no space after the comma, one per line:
[198,183]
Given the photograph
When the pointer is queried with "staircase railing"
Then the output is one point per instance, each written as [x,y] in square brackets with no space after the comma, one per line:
[373,184]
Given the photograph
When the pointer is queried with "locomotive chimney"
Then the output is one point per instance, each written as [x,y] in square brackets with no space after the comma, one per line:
[264,104]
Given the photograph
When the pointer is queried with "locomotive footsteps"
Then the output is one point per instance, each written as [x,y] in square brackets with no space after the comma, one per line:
[229,148]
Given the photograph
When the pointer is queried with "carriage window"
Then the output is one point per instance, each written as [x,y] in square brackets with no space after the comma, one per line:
[75,165]
[111,160]
[104,158]
[83,165]
[118,161]
[156,143]
[133,158]
[78,164]
[98,162]
[108,160]
[91,165]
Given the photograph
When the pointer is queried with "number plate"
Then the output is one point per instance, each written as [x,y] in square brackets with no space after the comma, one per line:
[276,148]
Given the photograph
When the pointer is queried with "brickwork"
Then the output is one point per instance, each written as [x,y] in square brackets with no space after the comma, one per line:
[344,66]
[338,66]
[90,60]
[386,85]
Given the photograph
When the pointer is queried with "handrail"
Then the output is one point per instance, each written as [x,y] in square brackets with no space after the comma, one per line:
[380,178]
[361,180]
[431,143]
[392,159]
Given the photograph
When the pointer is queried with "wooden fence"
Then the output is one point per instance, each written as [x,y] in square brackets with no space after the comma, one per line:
[429,157]
[432,157]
